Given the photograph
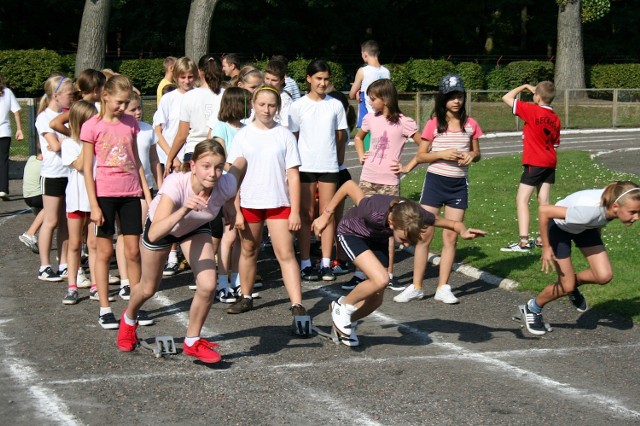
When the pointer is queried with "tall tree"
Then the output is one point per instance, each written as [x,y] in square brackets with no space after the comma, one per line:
[196,41]
[93,35]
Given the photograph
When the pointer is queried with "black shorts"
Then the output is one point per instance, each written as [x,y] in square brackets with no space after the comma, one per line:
[54,187]
[560,240]
[128,210]
[536,176]
[168,240]
[34,202]
[343,177]
[311,177]
[216,225]
[440,190]
[354,246]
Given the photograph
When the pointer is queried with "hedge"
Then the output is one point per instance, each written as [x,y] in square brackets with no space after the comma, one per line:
[145,74]
[425,74]
[25,71]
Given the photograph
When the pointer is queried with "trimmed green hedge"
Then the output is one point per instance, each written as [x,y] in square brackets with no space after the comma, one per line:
[425,74]
[145,74]
[25,71]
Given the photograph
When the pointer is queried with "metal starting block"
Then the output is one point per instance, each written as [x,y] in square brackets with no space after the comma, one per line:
[302,325]
[165,345]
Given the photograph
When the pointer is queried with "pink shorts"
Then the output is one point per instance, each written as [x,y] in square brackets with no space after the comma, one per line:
[260,215]
[77,215]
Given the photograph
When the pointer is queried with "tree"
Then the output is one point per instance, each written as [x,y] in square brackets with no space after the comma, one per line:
[196,41]
[93,35]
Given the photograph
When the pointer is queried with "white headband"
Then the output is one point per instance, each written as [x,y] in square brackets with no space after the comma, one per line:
[625,193]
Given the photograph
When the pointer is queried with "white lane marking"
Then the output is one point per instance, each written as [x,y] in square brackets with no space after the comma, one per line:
[47,405]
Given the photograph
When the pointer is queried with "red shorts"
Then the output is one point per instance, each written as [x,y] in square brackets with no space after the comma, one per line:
[77,215]
[260,215]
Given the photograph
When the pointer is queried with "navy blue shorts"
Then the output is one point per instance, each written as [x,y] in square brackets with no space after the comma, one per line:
[560,240]
[536,176]
[438,191]
[166,241]
[354,246]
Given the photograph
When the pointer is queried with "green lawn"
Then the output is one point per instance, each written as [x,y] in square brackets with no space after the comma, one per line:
[492,187]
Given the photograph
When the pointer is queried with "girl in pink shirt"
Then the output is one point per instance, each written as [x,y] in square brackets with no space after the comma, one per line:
[116,186]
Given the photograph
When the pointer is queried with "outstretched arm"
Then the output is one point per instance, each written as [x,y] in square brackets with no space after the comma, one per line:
[348,189]
[460,228]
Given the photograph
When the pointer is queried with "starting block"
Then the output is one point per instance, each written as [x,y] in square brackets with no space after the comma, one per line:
[302,325]
[164,345]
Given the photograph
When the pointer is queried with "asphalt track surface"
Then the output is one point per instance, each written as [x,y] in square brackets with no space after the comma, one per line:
[419,363]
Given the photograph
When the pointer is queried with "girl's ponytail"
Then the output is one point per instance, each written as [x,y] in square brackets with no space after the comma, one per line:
[212,71]
[53,85]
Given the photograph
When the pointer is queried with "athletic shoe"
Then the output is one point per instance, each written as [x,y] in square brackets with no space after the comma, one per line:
[30,241]
[537,242]
[578,300]
[125,292]
[203,351]
[64,274]
[298,310]
[237,291]
[351,284]
[310,274]
[225,295]
[127,336]
[71,298]
[144,318]
[108,321]
[93,295]
[241,306]
[114,279]
[340,268]
[516,247]
[410,293]
[395,285]
[444,295]
[82,281]
[49,275]
[327,274]
[170,269]
[258,281]
[341,318]
[533,321]
[351,341]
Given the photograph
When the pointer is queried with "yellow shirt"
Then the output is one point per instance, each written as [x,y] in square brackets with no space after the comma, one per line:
[161,85]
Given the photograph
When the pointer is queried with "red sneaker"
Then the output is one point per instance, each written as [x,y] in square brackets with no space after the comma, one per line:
[127,337]
[203,350]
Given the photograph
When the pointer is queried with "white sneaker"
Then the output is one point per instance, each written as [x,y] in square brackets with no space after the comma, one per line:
[516,247]
[82,281]
[341,318]
[225,295]
[30,241]
[444,295]
[114,279]
[410,293]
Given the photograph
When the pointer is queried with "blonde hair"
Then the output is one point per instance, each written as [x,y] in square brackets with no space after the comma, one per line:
[116,84]
[247,72]
[546,90]
[268,88]
[620,192]
[206,147]
[54,85]
[80,112]
[408,216]
[184,65]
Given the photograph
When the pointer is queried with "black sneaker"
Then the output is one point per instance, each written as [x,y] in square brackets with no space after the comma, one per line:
[395,285]
[353,282]
[241,306]
[144,318]
[340,267]
[125,293]
[71,297]
[49,275]
[108,321]
[327,274]
[310,274]
[533,321]
[578,300]
[171,269]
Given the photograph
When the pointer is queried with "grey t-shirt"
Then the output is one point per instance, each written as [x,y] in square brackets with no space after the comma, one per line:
[584,211]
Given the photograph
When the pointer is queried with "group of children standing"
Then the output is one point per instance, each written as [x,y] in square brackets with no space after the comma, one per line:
[270,160]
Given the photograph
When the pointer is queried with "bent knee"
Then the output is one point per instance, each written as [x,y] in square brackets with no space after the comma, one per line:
[604,278]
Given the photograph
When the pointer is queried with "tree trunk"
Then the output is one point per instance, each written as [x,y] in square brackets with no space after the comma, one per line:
[196,41]
[569,69]
[92,39]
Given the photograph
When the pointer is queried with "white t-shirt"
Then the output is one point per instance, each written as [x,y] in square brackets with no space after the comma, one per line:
[198,105]
[76,193]
[283,116]
[168,116]
[584,211]
[269,153]
[372,74]
[8,104]
[177,186]
[317,123]
[146,140]
[52,166]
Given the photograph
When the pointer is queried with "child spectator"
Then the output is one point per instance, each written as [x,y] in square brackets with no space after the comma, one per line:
[540,138]
[274,75]
[8,104]
[580,218]
[167,79]
[32,193]
[290,84]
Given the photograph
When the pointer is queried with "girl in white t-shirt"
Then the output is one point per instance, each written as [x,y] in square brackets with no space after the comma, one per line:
[181,213]
[8,104]
[578,218]
[77,201]
[58,97]
[318,122]
[270,193]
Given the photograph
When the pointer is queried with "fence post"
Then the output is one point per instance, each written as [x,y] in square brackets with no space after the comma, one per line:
[614,113]
[31,121]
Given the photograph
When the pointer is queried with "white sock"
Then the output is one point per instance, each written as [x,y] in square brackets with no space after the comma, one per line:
[173,256]
[62,267]
[43,267]
[106,310]
[305,263]
[390,275]
[326,262]
[124,283]
[128,320]
[190,341]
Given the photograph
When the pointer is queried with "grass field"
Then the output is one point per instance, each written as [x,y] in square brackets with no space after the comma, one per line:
[492,189]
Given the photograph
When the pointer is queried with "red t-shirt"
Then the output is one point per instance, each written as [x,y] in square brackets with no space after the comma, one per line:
[540,134]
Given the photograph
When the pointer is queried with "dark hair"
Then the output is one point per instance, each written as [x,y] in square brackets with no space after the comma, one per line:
[277,68]
[212,70]
[371,47]
[280,58]
[440,110]
[318,66]
[235,104]
[89,79]
[385,90]
[2,86]
[232,59]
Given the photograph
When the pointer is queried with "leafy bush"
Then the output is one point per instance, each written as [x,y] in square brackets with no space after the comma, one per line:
[337,75]
[425,74]
[25,71]
[298,71]
[472,75]
[399,76]
[517,73]
[68,64]
[624,76]
[145,74]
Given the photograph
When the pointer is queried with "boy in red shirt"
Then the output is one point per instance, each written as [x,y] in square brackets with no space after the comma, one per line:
[540,138]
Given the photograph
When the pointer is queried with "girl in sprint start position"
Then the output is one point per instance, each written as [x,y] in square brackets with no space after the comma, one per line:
[181,213]
[364,233]
[578,218]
